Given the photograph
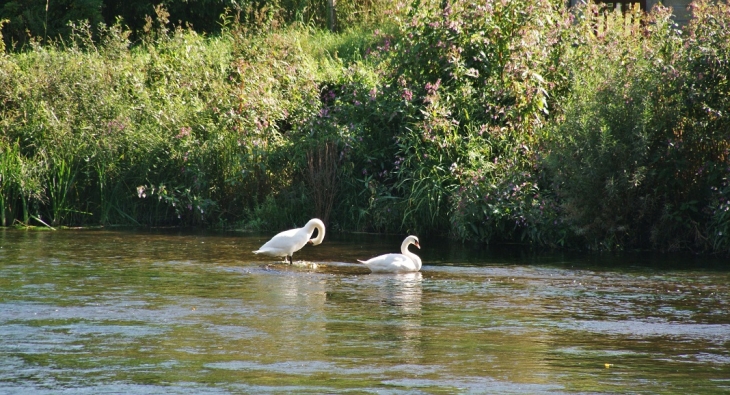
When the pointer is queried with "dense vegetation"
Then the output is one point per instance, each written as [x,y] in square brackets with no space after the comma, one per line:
[507,121]
[47,20]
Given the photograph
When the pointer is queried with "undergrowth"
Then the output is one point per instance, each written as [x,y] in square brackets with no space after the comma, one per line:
[507,121]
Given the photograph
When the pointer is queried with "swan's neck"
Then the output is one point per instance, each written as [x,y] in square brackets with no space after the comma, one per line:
[415,258]
[311,226]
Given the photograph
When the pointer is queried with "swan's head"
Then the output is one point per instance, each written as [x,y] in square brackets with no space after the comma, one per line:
[313,224]
[412,240]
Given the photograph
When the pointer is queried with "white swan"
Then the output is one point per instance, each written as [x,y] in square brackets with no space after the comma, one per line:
[404,262]
[292,240]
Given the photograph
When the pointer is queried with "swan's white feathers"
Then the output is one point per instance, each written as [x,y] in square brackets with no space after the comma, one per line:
[396,263]
[290,241]
[283,244]
[390,263]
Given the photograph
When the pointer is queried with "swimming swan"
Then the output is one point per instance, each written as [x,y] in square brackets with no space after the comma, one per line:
[396,263]
[292,240]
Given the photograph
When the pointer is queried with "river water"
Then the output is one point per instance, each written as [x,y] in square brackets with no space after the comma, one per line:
[170,312]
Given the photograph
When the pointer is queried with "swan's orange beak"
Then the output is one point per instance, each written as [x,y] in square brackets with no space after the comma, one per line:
[310,241]
[417,245]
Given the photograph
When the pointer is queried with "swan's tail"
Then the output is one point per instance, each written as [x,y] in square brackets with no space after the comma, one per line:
[361,261]
[257,251]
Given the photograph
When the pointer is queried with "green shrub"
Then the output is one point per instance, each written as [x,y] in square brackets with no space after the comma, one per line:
[639,158]
[471,91]
[100,120]
[600,156]
[718,233]
[694,152]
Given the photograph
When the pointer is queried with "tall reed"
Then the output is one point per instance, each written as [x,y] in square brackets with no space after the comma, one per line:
[322,178]
[10,176]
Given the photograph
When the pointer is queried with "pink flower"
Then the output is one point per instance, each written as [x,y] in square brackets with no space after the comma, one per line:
[407,95]
[184,132]
[432,88]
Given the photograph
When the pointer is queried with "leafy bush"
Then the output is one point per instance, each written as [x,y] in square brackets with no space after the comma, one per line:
[601,152]
[472,93]
[718,233]
[639,158]
[100,121]
[694,157]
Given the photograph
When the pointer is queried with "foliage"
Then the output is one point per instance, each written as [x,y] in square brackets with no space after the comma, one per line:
[643,143]
[601,151]
[516,121]
[719,224]
[99,121]
[471,91]
[48,20]
[695,154]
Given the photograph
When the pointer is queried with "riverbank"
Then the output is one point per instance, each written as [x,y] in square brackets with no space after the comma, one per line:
[524,122]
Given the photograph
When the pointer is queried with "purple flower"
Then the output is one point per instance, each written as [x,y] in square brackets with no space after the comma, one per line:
[432,88]
[184,132]
[407,95]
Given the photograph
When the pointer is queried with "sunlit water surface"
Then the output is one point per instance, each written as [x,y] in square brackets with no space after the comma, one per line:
[100,312]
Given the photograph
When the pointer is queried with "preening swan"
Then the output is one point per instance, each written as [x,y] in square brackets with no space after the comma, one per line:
[292,240]
[404,262]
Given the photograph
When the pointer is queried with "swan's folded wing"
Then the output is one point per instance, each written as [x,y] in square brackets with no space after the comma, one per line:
[390,263]
[277,242]
[284,243]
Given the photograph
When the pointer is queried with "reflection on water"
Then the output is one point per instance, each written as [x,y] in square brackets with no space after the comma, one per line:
[399,295]
[173,312]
